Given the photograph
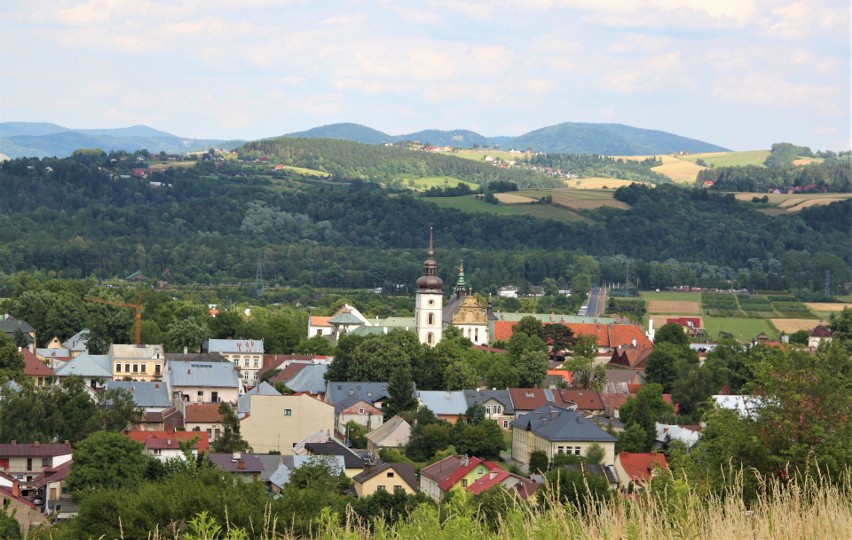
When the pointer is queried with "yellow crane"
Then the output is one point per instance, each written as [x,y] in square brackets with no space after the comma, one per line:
[137,310]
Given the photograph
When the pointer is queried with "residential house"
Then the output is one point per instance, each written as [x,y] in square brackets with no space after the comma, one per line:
[352,462]
[203,382]
[203,417]
[513,483]
[745,406]
[53,356]
[636,469]
[36,371]
[247,467]
[820,334]
[630,357]
[94,369]
[392,435]
[344,321]
[13,327]
[526,400]
[78,343]
[691,325]
[556,430]
[165,445]
[609,336]
[497,404]
[54,487]
[612,403]
[245,354]
[360,412]
[671,432]
[137,362]
[26,512]
[280,422]
[26,461]
[281,476]
[439,478]
[148,396]
[244,402]
[343,395]
[448,406]
[588,402]
[391,477]
[170,419]
[619,380]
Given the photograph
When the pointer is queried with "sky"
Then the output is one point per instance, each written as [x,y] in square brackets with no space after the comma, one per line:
[738,73]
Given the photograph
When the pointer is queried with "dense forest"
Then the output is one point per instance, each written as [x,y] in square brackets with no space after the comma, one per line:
[210,223]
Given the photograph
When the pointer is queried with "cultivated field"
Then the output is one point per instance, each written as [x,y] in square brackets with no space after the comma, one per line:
[679,170]
[163,165]
[511,198]
[827,306]
[599,183]
[744,330]
[730,159]
[575,199]
[790,326]
[669,295]
[478,154]
[471,204]
[673,306]
[795,202]
[428,182]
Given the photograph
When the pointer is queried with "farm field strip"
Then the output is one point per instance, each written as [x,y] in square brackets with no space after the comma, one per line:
[827,306]
[790,326]
[730,159]
[673,306]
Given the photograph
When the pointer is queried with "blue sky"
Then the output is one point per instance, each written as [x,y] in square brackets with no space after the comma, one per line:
[739,73]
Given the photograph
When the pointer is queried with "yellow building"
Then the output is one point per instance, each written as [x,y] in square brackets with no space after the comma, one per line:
[555,430]
[137,362]
[386,477]
[279,422]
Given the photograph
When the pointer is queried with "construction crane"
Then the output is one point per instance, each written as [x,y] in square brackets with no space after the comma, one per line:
[136,307]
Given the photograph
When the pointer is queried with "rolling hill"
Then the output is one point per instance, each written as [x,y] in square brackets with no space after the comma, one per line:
[40,139]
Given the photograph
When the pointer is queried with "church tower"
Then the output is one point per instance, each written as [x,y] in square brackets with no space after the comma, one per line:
[428,306]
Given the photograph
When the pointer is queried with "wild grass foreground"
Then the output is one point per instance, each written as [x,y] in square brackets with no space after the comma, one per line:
[810,509]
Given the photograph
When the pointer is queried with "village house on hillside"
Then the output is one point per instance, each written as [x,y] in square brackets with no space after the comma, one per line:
[555,430]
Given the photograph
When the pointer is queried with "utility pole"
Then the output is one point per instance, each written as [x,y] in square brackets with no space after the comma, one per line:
[827,284]
[258,279]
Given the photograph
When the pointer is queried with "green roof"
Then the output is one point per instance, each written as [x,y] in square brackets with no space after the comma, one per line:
[345,318]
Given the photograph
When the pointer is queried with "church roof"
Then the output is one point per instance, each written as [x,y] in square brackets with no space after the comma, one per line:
[345,318]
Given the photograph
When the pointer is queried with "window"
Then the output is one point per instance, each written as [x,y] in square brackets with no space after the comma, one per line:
[430,319]
[45,462]
[505,424]
[390,474]
[319,331]
[29,464]
[430,338]
[246,362]
[135,368]
[397,488]
[361,410]
[127,368]
[144,368]
[288,412]
[476,335]
[431,302]
[200,396]
[464,482]
[256,362]
[214,397]
[576,450]
[156,369]
[118,368]
[560,449]
[488,409]
[158,451]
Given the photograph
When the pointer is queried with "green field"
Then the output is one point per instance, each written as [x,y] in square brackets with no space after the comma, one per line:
[480,153]
[471,204]
[744,330]
[433,181]
[306,172]
[730,159]
[671,296]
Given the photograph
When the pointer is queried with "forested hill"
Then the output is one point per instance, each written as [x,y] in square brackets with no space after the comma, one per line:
[568,137]
[385,164]
[70,217]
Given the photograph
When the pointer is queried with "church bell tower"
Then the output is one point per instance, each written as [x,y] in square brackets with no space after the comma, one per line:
[428,307]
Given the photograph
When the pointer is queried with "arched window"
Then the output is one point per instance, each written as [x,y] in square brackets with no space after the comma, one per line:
[430,338]
[431,319]
[476,335]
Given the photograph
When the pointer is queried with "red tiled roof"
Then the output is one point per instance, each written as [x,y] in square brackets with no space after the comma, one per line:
[639,466]
[33,367]
[585,399]
[567,376]
[202,413]
[528,399]
[630,357]
[320,321]
[821,331]
[607,335]
[690,322]
[488,481]
[461,471]
[613,401]
[36,449]
[354,408]
[143,436]
[289,372]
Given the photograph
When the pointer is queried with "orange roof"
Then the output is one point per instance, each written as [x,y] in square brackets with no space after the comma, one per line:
[320,321]
[143,436]
[640,466]
[585,399]
[202,413]
[33,367]
[607,335]
[567,375]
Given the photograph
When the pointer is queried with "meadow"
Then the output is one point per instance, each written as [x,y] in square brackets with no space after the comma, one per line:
[472,204]
[730,159]
[679,170]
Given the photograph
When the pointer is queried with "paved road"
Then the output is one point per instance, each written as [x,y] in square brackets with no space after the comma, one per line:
[595,307]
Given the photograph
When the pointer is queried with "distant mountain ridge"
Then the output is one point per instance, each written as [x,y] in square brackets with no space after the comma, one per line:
[568,137]
[41,139]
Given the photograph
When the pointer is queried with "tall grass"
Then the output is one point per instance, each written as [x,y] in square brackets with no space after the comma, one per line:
[808,509]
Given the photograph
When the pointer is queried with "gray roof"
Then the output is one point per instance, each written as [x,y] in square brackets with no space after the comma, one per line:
[263,389]
[557,424]
[59,353]
[310,379]
[78,342]
[479,397]
[546,318]
[270,463]
[87,365]
[10,325]
[145,394]
[240,346]
[207,374]
[197,357]
[338,392]
[226,462]
[379,435]
[281,476]
[441,402]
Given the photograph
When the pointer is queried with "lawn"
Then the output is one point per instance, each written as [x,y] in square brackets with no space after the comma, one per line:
[433,181]
[575,199]
[744,330]
[730,159]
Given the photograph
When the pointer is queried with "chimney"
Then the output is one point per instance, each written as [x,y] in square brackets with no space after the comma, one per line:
[16,491]
[36,444]
[634,342]
[156,386]
[241,465]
